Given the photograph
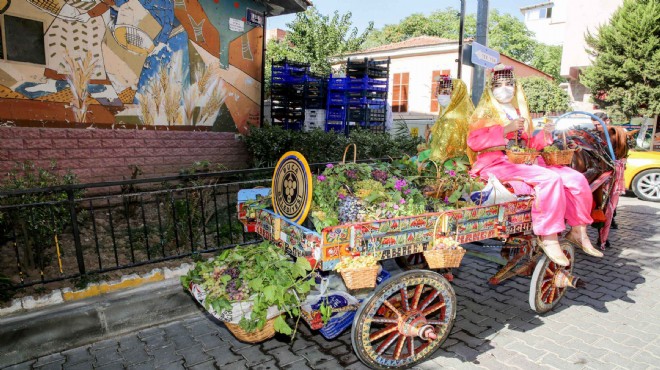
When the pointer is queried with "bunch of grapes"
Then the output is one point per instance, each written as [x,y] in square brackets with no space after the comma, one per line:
[351,174]
[380,176]
[350,210]
[235,292]
[233,272]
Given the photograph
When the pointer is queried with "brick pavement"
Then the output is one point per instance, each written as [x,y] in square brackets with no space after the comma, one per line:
[611,323]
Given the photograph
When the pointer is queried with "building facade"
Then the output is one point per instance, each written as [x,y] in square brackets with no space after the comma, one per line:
[415,65]
[190,67]
[565,23]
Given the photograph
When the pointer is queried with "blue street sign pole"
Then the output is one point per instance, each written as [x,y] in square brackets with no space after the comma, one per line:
[478,76]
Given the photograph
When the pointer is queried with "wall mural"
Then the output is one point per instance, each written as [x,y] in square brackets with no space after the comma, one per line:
[187,63]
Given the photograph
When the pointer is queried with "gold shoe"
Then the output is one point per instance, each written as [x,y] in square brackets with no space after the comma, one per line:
[553,250]
[590,250]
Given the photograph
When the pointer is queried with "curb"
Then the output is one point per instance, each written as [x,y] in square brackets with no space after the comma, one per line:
[70,324]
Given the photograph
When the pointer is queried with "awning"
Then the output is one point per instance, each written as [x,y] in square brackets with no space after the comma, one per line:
[281,7]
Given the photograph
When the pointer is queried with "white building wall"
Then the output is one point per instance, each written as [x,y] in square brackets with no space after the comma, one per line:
[551,30]
[420,69]
[583,16]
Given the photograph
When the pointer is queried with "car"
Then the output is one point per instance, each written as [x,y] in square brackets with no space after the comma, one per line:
[642,174]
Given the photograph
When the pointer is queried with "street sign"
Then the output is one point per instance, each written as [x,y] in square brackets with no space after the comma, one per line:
[483,56]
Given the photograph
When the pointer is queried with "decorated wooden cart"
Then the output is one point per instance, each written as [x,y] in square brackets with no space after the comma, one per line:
[406,317]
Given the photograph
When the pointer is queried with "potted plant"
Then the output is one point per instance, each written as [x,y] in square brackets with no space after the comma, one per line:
[251,288]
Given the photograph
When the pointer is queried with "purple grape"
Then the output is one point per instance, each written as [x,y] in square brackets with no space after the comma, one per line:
[351,174]
[380,176]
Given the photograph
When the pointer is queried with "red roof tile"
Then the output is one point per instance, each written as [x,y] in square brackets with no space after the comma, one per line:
[410,43]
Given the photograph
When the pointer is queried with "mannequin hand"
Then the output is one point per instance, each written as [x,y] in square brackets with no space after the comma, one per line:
[515,125]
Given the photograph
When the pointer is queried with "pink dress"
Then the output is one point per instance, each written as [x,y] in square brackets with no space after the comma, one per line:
[561,192]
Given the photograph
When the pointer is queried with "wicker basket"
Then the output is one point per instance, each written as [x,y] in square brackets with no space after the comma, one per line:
[444,258]
[558,158]
[360,278]
[267,332]
[521,157]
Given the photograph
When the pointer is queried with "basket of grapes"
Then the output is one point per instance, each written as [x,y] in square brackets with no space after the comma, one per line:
[558,154]
[520,155]
[251,289]
[359,272]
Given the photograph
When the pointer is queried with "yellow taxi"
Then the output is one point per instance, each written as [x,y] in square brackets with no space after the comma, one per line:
[642,174]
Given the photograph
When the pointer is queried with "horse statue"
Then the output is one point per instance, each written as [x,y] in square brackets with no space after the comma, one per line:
[601,156]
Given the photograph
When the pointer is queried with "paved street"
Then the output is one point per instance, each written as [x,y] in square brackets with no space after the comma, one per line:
[614,322]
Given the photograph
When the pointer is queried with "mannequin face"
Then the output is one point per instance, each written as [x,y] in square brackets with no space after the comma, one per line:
[503,90]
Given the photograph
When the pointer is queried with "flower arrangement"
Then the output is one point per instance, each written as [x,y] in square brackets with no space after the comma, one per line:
[446,243]
[261,277]
[355,192]
[450,182]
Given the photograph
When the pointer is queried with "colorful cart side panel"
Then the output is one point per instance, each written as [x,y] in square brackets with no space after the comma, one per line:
[246,215]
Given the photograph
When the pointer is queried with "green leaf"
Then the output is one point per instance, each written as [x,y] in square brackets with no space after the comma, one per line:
[281,326]
[304,263]
[269,293]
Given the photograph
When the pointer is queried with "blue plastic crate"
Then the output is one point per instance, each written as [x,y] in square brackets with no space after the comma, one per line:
[340,83]
[335,114]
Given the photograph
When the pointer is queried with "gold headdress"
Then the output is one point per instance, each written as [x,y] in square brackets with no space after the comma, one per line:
[489,111]
[451,128]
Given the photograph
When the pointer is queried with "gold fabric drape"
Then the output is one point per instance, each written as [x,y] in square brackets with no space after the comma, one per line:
[449,133]
[489,112]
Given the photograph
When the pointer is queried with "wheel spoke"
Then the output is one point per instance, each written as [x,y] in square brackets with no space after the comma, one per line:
[433,308]
[387,343]
[399,347]
[384,320]
[418,294]
[382,332]
[548,271]
[404,299]
[411,347]
[429,299]
[552,295]
[437,322]
[391,307]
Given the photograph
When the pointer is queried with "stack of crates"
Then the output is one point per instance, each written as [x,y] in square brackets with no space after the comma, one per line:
[287,94]
[367,93]
[315,101]
[360,98]
[336,104]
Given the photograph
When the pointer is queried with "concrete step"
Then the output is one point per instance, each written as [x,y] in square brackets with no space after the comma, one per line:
[24,336]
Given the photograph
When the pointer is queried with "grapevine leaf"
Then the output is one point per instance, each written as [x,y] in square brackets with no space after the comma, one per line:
[304,263]
[269,293]
[281,326]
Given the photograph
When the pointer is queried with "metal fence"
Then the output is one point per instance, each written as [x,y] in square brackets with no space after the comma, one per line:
[65,232]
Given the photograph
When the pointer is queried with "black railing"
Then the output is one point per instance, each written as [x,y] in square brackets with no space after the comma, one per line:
[65,232]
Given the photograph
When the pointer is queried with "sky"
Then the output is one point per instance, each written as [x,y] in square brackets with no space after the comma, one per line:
[383,12]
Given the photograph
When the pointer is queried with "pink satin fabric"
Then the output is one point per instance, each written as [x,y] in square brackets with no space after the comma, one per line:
[561,192]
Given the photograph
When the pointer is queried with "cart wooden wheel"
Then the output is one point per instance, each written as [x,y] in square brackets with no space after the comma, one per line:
[550,281]
[413,261]
[406,319]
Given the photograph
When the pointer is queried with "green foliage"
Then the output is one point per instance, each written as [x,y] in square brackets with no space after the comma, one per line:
[37,224]
[267,144]
[314,38]
[625,75]
[506,33]
[262,274]
[545,96]
[547,58]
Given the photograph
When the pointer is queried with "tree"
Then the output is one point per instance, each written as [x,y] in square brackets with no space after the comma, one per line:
[314,38]
[506,33]
[544,96]
[547,58]
[625,75]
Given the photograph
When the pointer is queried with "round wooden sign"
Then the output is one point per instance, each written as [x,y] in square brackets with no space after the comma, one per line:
[292,187]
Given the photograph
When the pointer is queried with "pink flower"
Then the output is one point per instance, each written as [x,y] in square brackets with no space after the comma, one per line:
[400,184]
[451,173]
[342,196]
[395,206]
[329,165]
[402,201]
[320,178]
[407,191]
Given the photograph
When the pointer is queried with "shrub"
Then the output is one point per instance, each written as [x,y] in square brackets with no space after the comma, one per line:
[267,144]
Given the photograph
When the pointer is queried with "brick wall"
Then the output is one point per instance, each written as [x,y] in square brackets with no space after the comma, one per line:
[105,155]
